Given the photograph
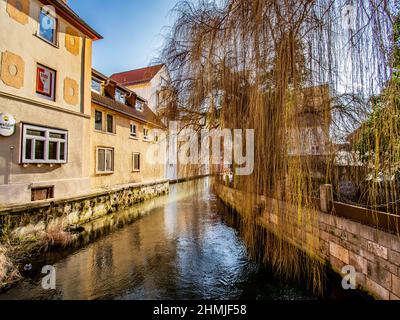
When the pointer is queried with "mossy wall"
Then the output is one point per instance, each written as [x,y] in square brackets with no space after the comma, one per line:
[26,221]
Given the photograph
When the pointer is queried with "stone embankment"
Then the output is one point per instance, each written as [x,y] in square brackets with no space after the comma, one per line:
[374,253]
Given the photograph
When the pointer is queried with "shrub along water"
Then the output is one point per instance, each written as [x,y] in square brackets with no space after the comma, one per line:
[8,271]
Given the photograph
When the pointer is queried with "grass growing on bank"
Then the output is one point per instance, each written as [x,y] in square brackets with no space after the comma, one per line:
[56,236]
[8,270]
[16,248]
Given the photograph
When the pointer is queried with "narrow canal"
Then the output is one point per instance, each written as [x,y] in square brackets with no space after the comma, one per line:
[183,246]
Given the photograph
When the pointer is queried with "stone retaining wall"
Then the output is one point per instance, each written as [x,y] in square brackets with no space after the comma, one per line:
[31,219]
[374,254]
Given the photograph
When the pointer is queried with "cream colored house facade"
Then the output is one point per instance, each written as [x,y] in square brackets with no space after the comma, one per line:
[150,83]
[45,77]
[127,142]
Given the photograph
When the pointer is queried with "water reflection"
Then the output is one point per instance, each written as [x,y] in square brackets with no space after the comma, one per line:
[180,248]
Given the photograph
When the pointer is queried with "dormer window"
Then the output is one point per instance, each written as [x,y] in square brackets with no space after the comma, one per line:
[139,105]
[96,86]
[47,27]
[120,96]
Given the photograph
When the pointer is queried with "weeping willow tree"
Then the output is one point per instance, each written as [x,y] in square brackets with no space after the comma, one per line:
[301,74]
[378,141]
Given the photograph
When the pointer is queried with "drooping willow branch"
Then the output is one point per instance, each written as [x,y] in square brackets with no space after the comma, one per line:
[303,75]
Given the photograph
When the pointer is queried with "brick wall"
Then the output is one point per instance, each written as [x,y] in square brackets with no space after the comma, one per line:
[374,254]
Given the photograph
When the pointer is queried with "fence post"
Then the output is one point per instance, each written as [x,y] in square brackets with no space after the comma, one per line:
[326,197]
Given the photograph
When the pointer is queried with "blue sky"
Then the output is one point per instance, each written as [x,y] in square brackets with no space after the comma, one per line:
[133,31]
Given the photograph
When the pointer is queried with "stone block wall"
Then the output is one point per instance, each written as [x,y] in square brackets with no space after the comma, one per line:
[374,254]
[26,221]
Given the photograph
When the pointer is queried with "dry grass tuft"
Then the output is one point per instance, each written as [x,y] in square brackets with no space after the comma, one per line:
[55,236]
[8,271]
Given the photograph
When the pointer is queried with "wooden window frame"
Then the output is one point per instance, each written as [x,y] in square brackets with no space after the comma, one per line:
[100,172]
[135,154]
[107,115]
[156,137]
[102,120]
[131,134]
[120,96]
[98,81]
[146,137]
[55,42]
[141,103]
[49,189]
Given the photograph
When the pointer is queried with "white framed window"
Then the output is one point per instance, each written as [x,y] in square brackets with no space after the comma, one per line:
[104,122]
[45,82]
[133,130]
[136,162]
[96,85]
[146,134]
[105,160]
[139,105]
[47,29]
[43,145]
[110,123]
[120,96]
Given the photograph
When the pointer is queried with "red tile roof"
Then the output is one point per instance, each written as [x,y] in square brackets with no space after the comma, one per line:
[137,76]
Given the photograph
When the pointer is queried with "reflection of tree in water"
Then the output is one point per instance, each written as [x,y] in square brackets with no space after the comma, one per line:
[103,259]
[197,257]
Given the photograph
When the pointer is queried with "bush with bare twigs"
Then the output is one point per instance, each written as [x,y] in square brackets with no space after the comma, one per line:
[8,271]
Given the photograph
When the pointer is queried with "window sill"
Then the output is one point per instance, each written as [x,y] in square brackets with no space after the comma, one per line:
[136,171]
[104,173]
[42,96]
[105,132]
[48,42]
[39,165]
[133,138]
